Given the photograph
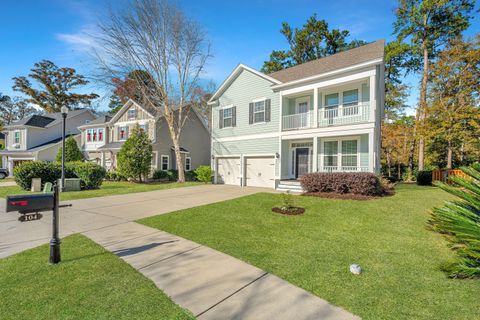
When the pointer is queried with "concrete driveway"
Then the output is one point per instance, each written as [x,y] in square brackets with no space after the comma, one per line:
[97,213]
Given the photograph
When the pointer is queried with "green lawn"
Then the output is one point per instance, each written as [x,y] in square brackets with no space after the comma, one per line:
[108,188]
[90,283]
[387,237]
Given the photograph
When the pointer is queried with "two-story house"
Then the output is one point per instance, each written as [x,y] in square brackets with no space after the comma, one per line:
[39,137]
[321,116]
[103,138]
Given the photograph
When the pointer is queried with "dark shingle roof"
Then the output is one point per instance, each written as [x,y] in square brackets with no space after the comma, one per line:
[365,53]
[39,121]
[112,145]
[100,120]
[45,120]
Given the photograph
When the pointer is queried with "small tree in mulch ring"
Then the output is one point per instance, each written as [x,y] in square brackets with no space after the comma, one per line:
[288,206]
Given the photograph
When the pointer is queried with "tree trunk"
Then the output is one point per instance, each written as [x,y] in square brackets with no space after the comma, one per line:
[423,107]
[449,155]
[389,164]
[178,159]
[411,158]
[399,168]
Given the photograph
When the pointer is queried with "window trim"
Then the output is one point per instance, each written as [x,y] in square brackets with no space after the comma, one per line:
[190,164]
[264,100]
[302,100]
[339,149]
[120,134]
[231,116]
[161,161]
[15,137]
[154,159]
[134,115]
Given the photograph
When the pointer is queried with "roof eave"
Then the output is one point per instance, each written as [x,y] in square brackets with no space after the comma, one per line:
[326,74]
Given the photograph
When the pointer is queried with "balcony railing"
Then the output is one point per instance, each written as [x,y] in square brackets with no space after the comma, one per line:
[342,115]
[343,169]
[298,121]
[332,116]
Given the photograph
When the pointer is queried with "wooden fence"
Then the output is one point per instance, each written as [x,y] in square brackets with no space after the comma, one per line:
[443,175]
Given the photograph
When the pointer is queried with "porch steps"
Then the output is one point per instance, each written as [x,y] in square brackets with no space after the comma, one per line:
[290,185]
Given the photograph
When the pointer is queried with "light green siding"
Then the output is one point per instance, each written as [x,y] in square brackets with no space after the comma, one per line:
[245,88]
[247,147]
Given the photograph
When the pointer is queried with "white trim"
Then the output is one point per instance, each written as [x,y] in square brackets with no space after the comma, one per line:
[126,106]
[339,148]
[264,110]
[354,129]
[161,162]
[232,77]
[155,156]
[247,137]
[189,158]
[243,165]
[302,100]
[326,74]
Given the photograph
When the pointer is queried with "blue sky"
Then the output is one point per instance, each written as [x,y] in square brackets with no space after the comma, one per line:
[239,31]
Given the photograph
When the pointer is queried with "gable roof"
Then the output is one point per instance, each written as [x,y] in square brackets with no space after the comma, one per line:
[45,120]
[99,121]
[372,51]
[238,69]
[153,112]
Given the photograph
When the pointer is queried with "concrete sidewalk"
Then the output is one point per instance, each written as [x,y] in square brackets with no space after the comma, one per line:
[210,284]
[98,213]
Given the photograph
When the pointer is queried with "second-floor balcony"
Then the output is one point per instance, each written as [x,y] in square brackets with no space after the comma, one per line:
[328,116]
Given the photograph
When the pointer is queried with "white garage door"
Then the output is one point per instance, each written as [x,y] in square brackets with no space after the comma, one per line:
[228,171]
[260,172]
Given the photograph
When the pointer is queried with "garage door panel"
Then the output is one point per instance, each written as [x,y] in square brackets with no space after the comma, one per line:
[260,172]
[228,171]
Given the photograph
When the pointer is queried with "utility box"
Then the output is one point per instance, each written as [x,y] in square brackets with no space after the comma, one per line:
[30,203]
[36,185]
[71,184]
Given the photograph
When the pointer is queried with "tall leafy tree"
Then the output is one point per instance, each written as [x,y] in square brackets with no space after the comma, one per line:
[427,26]
[396,142]
[12,109]
[453,121]
[314,40]
[54,87]
[135,156]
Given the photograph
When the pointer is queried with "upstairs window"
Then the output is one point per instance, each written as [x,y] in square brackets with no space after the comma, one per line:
[350,97]
[94,135]
[132,114]
[259,111]
[122,133]
[143,127]
[17,137]
[89,135]
[331,100]
[100,134]
[227,117]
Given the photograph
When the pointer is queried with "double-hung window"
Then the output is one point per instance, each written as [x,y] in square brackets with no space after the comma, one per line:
[188,163]
[350,102]
[330,155]
[227,117]
[132,113]
[349,154]
[100,134]
[89,135]
[122,133]
[259,111]
[17,137]
[164,162]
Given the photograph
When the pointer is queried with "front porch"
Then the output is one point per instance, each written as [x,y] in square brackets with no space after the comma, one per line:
[352,153]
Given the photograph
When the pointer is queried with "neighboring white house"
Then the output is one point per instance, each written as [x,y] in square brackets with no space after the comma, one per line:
[38,137]
[102,138]
[320,116]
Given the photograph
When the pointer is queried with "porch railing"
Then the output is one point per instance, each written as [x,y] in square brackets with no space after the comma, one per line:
[298,121]
[342,115]
[343,169]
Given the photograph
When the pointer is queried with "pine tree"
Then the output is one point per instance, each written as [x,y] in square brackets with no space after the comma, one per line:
[72,152]
[135,156]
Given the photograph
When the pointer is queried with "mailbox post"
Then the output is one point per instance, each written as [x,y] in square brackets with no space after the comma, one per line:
[55,242]
[29,207]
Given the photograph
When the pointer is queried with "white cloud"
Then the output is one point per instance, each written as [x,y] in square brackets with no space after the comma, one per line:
[83,40]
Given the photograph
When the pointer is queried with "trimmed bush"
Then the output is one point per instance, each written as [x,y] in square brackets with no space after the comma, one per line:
[172,175]
[26,171]
[90,174]
[424,178]
[364,183]
[72,151]
[204,174]
[160,175]
[114,176]
[190,176]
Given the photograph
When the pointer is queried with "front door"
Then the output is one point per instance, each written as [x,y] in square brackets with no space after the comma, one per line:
[301,162]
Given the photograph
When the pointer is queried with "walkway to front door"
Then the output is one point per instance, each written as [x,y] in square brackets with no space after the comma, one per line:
[301,162]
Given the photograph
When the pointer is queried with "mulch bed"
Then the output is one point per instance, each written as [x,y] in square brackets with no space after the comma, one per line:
[290,212]
[345,196]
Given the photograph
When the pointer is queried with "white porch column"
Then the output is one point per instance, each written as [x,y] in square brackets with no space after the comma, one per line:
[371,152]
[315,154]
[373,97]
[10,167]
[4,161]
[102,159]
[315,108]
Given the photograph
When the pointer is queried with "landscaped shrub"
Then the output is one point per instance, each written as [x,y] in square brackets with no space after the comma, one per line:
[90,174]
[135,156]
[114,176]
[458,222]
[160,175]
[172,175]
[424,178]
[190,176]
[72,151]
[342,182]
[204,174]
[26,171]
